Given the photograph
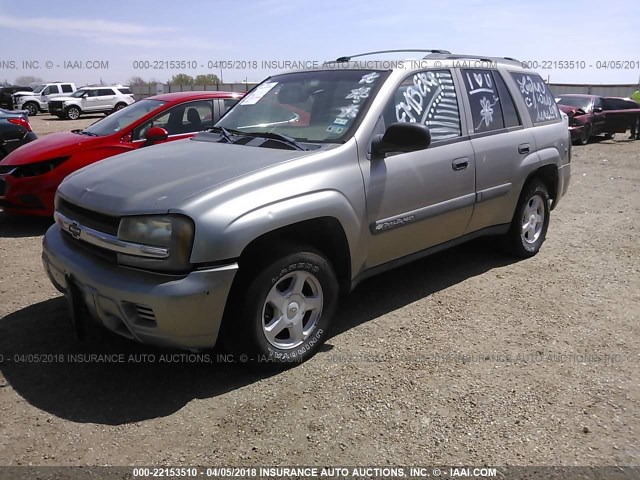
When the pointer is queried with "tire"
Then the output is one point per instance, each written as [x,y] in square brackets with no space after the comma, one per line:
[72,113]
[530,222]
[31,108]
[586,133]
[272,323]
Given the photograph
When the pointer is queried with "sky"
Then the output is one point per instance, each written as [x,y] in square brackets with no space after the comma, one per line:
[234,39]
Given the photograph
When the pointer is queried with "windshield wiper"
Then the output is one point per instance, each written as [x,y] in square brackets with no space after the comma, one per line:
[278,137]
[84,132]
[223,132]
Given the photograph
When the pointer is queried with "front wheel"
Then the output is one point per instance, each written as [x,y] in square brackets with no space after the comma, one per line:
[586,134]
[73,113]
[31,108]
[530,222]
[282,310]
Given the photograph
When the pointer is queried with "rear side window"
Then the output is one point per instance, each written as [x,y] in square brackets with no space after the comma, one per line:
[537,97]
[66,88]
[491,103]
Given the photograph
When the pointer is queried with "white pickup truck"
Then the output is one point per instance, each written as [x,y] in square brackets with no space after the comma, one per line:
[38,100]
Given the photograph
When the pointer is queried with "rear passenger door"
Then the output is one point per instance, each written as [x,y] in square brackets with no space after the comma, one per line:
[500,144]
[420,199]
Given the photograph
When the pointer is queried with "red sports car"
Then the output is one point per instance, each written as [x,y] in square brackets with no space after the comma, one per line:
[30,175]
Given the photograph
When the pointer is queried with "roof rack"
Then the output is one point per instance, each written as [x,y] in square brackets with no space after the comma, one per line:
[349,57]
[450,56]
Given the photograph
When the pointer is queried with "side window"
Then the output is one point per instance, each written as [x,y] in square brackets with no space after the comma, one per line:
[428,98]
[509,110]
[537,97]
[597,103]
[185,118]
[486,110]
[53,89]
[492,106]
[66,88]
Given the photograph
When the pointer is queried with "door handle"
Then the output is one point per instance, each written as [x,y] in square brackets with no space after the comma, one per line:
[460,163]
[524,148]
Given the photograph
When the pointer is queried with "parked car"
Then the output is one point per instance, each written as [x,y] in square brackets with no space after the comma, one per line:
[6,95]
[31,175]
[91,100]
[591,115]
[38,100]
[249,231]
[15,131]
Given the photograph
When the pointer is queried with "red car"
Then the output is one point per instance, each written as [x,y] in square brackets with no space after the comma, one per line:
[591,115]
[30,175]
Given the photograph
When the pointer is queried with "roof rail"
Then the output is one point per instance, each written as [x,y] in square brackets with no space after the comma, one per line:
[450,56]
[349,57]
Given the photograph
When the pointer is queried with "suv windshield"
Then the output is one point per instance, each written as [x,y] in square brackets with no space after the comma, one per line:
[123,118]
[39,88]
[583,103]
[314,106]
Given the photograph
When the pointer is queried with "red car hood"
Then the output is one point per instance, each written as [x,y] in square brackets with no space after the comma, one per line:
[51,146]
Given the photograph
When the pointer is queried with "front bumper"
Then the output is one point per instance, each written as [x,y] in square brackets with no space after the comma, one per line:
[576,132]
[168,310]
[29,195]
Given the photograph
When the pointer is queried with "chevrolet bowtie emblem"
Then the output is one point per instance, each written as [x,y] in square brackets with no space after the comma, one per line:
[75,230]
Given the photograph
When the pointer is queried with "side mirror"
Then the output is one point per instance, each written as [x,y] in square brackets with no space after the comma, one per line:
[156,134]
[401,138]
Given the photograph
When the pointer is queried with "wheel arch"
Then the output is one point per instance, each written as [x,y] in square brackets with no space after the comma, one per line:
[325,234]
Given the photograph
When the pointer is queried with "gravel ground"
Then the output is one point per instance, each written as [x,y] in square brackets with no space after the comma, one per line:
[466,357]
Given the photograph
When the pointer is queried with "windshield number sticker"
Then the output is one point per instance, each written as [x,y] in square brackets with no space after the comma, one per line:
[256,95]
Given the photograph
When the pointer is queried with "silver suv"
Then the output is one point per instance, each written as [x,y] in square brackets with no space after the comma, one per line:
[314,181]
[91,100]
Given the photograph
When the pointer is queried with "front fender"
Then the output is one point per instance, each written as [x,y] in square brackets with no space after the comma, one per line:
[230,242]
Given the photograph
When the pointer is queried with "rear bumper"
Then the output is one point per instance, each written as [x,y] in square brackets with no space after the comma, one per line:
[564,177]
[167,310]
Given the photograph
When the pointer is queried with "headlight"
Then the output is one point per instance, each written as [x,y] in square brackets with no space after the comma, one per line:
[40,168]
[174,232]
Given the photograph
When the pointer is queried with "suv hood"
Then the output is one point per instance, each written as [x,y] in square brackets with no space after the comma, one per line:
[157,179]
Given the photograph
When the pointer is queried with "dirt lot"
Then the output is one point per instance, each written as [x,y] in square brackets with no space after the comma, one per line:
[463,358]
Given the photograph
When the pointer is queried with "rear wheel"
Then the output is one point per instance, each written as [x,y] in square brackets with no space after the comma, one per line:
[73,113]
[528,228]
[282,310]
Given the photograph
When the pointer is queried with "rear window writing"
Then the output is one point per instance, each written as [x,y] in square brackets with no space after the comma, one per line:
[537,97]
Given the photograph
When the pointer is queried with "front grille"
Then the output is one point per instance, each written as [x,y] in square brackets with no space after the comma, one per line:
[88,218]
[107,255]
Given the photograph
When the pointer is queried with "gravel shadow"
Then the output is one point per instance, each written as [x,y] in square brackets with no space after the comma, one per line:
[41,360]
[12,226]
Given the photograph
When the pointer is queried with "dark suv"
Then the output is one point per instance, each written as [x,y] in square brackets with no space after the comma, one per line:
[6,101]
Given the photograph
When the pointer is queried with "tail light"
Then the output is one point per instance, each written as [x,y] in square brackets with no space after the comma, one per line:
[22,122]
